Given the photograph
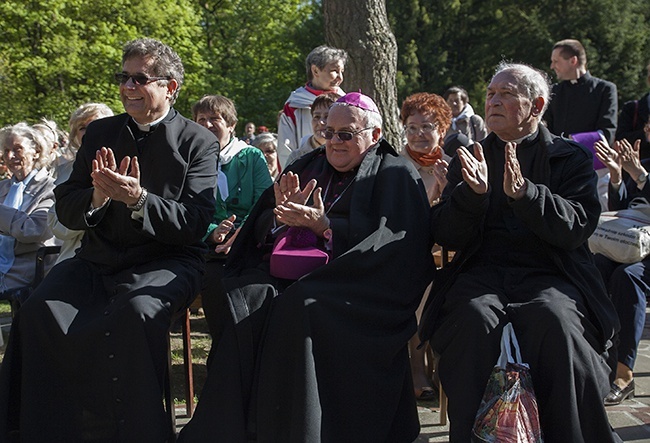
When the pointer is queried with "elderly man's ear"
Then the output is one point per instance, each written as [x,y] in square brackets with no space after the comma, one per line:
[538,105]
[376,135]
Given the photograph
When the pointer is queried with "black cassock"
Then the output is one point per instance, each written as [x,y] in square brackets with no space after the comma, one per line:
[324,358]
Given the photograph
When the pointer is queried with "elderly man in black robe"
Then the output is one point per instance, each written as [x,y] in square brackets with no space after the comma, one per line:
[87,355]
[323,357]
[519,212]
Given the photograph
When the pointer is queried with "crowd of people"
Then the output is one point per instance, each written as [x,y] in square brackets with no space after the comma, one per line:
[312,250]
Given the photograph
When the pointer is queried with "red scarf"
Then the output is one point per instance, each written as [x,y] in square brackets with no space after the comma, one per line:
[425,159]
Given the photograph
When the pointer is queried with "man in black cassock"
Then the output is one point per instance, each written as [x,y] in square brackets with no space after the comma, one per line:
[579,101]
[519,213]
[324,358]
[87,354]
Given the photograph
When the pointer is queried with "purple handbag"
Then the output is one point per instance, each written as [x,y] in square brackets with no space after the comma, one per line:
[589,139]
[295,254]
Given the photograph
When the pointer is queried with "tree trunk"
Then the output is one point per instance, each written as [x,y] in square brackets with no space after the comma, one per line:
[361,28]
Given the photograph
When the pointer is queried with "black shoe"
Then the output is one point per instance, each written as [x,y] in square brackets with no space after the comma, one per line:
[617,395]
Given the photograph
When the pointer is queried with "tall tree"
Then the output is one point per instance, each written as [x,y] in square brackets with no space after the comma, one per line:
[361,28]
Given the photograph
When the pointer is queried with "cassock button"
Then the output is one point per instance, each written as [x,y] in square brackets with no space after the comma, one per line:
[114,378]
[111,355]
[107,333]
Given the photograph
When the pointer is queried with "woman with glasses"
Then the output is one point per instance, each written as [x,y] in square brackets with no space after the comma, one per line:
[426,118]
[322,355]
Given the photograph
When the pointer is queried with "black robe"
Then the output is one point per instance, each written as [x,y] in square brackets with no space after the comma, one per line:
[325,358]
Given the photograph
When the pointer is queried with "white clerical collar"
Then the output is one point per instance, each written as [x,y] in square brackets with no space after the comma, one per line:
[148,126]
[519,140]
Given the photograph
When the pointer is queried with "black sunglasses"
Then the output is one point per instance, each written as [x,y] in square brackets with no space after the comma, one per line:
[344,136]
[138,79]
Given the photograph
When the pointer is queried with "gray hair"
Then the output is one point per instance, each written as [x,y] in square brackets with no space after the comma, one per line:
[36,142]
[166,62]
[370,119]
[83,115]
[265,137]
[532,82]
[321,56]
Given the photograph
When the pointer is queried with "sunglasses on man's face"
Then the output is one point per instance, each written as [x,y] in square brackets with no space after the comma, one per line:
[138,79]
[344,136]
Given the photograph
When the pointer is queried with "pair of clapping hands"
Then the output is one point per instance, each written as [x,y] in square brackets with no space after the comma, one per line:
[622,157]
[110,182]
[475,171]
[291,204]
[290,209]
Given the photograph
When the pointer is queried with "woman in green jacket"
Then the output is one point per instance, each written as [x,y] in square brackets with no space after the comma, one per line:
[243,176]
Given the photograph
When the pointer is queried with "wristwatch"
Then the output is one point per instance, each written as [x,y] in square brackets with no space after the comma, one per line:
[140,203]
[641,179]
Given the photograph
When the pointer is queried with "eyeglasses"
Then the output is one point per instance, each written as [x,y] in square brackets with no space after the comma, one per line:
[426,128]
[344,136]
[138,79]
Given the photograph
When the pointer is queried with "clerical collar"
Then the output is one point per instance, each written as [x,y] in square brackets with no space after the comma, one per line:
[150,126]
[519,141]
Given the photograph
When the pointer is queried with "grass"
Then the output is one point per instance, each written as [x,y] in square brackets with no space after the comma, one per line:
[201,343]
[5,309]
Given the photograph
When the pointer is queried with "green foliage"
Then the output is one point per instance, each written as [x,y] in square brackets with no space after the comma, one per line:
[256,52]
[459,42]
[57,54]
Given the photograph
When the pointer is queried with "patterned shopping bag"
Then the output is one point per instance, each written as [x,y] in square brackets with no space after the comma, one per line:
[508,411]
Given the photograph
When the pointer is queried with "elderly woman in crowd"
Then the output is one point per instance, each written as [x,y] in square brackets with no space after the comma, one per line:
[323,356]
[242,177]
[57,139]
[267,142]
[319,111]
[79,120]
[26,198]
[325,66]
[426,118]
[519,213]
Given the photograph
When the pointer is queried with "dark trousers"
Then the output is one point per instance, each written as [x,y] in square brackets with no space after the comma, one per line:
[87,354]
[628,286]
[557,340]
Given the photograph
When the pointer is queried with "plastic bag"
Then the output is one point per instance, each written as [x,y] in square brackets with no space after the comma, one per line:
[623,236]
[508,411]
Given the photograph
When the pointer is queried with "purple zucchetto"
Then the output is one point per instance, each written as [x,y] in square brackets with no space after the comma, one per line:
[360,101]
